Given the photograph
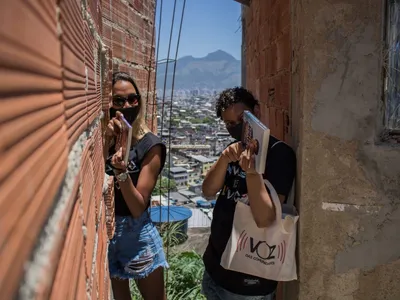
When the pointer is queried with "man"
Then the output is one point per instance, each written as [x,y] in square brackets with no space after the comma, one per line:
[234,176]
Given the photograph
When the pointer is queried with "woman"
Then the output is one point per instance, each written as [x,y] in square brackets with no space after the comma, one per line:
[136,250]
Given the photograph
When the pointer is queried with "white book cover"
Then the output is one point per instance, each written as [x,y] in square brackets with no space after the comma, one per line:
[255,138]
[124,140]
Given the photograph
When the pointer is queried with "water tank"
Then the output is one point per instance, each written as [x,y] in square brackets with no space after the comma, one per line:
[171,215]
[203,204]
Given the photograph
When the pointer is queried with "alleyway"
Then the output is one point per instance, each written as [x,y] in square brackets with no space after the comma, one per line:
[327,74]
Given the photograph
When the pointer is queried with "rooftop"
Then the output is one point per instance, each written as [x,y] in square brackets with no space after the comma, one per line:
[201,158]
[177,196]
[177,170]
[187,193]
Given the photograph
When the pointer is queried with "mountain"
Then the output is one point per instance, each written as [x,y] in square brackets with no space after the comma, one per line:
[216,71]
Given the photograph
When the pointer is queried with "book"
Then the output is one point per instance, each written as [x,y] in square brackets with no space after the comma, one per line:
[255,138]
[124,139]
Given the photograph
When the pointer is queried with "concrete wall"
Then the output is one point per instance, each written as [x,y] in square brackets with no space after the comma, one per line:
[55,82]
[348,183]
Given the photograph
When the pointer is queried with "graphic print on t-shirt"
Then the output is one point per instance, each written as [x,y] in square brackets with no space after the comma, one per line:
[235,188]
[132,167]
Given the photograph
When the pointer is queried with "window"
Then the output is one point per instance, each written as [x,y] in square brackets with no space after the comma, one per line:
[392,67]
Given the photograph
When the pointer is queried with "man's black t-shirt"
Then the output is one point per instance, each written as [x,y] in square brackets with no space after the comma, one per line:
[280,171]
[136,157]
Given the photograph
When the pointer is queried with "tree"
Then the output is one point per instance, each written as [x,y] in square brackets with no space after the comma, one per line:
[161,187]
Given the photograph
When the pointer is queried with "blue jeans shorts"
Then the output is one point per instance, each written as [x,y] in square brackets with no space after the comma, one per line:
[136,249]
[212,291]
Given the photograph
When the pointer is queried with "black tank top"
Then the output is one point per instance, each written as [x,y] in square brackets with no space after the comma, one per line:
[136,156]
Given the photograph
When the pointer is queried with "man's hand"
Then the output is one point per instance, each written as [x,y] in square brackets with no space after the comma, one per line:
[232,153]
[247,162]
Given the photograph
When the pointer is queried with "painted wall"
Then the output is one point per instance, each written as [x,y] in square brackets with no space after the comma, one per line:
[57,212]
[348,183]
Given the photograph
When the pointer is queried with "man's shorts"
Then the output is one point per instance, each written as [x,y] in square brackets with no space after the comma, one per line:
[214,292]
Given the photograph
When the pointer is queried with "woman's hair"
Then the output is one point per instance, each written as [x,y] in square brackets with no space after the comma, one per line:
[139,127]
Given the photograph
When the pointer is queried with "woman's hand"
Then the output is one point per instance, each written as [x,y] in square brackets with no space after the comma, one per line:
[114,126]
[117,161]
[247,162]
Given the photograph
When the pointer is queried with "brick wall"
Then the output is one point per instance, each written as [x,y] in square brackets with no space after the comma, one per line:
[56,61]
[267,52]
[128,31]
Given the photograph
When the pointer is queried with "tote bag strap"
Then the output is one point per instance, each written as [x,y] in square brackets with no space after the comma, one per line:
[290,198]
[277,202]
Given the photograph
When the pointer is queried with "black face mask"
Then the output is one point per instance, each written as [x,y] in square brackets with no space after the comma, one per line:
[130,113]
[236,131]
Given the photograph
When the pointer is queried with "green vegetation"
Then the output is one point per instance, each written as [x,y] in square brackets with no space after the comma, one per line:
[174,123]
[183,278]
[206,120]
[161,187]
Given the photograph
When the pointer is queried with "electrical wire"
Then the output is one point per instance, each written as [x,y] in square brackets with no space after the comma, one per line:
[155,84]
[167,61]
[162,130]
[170,116]
[150,69]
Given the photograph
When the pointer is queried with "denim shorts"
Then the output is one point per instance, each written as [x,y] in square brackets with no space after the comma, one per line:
[212,291]
[136,249]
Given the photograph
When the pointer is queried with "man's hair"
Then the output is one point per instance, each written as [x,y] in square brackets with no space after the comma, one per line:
[232,96]
[123,76]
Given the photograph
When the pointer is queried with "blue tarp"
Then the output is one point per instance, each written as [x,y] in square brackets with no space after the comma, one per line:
[176,213]
[203,203]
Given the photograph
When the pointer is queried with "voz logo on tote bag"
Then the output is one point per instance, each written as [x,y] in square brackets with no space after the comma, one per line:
[260,250]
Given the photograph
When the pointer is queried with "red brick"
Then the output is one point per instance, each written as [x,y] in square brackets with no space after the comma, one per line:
[74,77]
[61,82]
[264,87]
[81,288]
[109,201]
[119,13]
[29,208]
[118,43]
[271,60]
[264,114]
[91,62]
[107,31]
[257,89]
[283,52]
[69,268]
[90,238]
[283,91]
[129,48]
[106,9]
[138,5]
[87,179]
[263,64]
[94,285]
[272,124]
[287,127]
[94,8]
[276,122]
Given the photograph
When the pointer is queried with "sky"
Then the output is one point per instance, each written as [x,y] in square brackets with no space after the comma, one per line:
[208,25]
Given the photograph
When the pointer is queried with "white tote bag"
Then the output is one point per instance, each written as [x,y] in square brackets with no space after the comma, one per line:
[263,252]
